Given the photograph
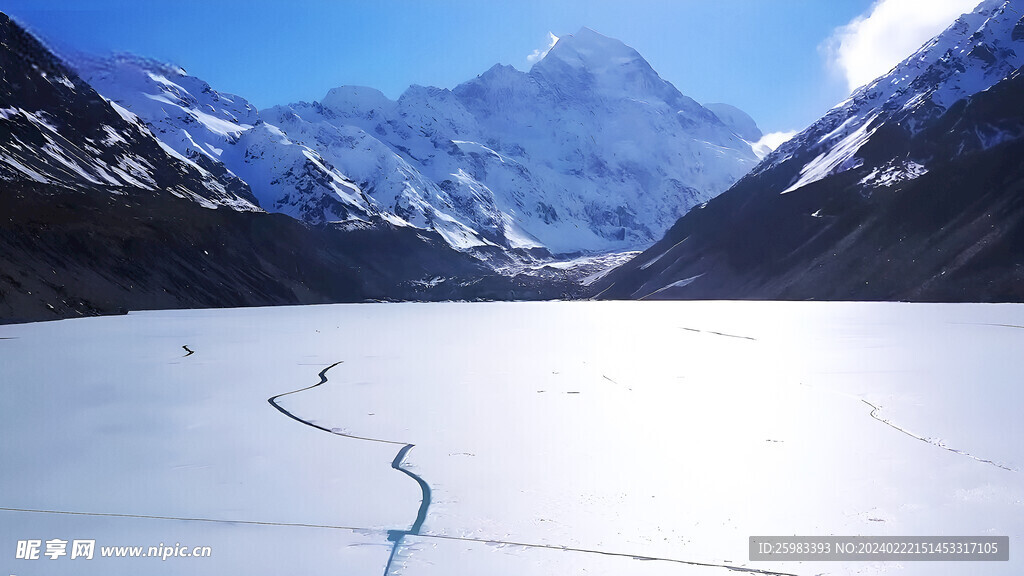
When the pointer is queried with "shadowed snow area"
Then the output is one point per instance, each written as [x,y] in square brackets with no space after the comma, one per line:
[555,438]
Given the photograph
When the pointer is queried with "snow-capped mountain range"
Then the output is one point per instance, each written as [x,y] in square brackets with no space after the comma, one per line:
[200,124]
[101,217]
[588,151]
[910,189]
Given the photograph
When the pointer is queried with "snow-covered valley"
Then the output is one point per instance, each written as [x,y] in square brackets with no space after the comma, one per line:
[554,438]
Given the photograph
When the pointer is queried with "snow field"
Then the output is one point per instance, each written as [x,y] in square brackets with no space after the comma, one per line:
[615,430]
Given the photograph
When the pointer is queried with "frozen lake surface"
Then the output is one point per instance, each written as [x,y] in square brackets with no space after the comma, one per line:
[606,438]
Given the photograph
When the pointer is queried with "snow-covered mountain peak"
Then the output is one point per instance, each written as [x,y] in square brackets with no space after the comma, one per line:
[355,100]
[142,64]
[184,111]
[57,130]
[501,69]
[588,62]
[977,51]
[590,49]
[435,113]
[429,96]
[969,56]
[737,120]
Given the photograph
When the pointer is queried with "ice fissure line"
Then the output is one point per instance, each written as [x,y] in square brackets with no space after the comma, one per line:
[323,380]
[988,324]
[403,533]
[717,333]
[395,536]
[873,414]
[606,553]
[186,519]
[421,514]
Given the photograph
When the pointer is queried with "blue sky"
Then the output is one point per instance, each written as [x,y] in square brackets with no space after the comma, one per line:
[782,61]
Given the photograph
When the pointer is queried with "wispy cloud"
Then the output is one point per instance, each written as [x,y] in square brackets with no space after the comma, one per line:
[540,53]
[775,139]
[770,142]
[871,44]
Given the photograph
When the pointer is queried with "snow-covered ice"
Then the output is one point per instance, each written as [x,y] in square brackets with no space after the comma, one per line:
[556,438]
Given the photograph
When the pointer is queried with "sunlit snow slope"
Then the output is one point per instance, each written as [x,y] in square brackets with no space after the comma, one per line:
[56,131]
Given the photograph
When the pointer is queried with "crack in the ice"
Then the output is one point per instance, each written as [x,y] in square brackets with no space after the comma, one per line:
[395,536]
[606,553]
[937,444]
[404,533]
[630,388]
[988,324]
[190,352]
[717,333]
[1004,325]
[187,519]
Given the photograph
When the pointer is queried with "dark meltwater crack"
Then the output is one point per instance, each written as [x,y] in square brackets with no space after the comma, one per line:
[937,444]
[394,536]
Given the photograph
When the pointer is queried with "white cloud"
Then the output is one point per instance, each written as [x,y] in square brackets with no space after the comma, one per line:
[771,141]
[540,53]
[775,139]
[871,45]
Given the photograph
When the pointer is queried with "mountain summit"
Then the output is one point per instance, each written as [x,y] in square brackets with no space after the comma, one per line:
[588,61]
